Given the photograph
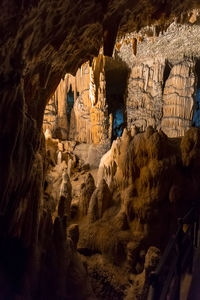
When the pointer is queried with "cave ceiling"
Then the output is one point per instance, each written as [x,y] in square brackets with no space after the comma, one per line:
[45,39]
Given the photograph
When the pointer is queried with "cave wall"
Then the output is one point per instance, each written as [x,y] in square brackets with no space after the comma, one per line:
[163,81]
[179,99]
[144,103]
[77,125]
[80,124]
[89,121]
[160,89]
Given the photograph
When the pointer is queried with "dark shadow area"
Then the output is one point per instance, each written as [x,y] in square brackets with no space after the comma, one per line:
[70,103]
[116,75]
[13,264]
[196,106]
[166,74]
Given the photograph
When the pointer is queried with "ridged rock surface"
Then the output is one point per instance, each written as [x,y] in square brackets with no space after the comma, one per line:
[144,100]
[178,99]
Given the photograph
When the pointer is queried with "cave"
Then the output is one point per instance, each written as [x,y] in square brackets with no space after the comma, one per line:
[116,75]
[99,186]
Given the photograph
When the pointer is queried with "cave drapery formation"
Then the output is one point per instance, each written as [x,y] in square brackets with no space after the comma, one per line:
[41,42]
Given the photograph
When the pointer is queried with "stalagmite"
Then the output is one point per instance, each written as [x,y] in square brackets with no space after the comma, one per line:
[59,157]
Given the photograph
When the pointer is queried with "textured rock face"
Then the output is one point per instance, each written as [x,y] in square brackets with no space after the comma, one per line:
[141,283]
[145,170]
[68,111]
[144,100]
[161,91]
[80,123]
[141,192]
[87,190]
[152,101]
[178,99]
[101,200]
[87,120]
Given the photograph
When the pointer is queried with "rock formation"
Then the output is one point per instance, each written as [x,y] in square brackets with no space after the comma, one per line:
[159,91]
[178,99]
[87,190]
[141,282]
[148,188]
[144,100]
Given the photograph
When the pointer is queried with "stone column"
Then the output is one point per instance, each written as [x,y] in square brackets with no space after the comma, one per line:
[62,109]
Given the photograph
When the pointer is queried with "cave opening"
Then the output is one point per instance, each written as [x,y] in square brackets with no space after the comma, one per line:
[70,103]
[116,75]
[196,106]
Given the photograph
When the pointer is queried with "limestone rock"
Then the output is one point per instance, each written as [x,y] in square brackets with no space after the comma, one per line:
[190,147]
[86,192]
[142,174]
[100,201]
[66,187]
[140,287]
[95,153]
[121,221]
[50,116]
[69,145]
[48,134]
[73,233]
[144,99]
[111,164]
[178,99]
[60,147]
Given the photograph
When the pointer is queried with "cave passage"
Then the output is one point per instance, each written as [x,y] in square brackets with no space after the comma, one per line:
[70,103]
[116,74]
